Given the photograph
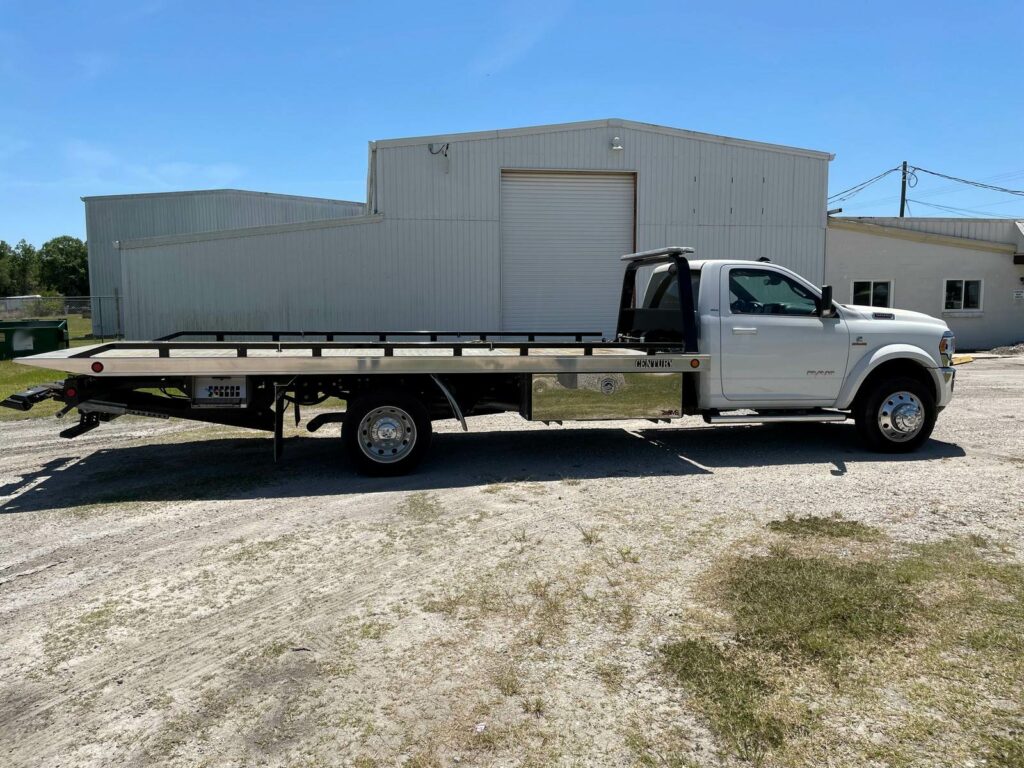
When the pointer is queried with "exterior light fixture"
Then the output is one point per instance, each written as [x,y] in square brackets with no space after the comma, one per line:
[616,144]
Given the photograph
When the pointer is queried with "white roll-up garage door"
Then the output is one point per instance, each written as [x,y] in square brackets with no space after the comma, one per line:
[561,238]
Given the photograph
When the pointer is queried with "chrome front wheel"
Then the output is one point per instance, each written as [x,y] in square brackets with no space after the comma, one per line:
[901,416]
[895,415]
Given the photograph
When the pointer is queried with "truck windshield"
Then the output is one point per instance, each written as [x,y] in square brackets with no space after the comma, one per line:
[663,291]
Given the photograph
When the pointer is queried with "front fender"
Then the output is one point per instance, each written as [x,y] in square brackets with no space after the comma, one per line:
[889,352]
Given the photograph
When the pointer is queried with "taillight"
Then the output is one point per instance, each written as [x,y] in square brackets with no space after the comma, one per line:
[70,392]
[97,367]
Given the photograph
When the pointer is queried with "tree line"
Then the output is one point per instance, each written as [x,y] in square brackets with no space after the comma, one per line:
[59,266]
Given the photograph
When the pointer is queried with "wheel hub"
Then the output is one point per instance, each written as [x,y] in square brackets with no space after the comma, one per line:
[901,416]
[387,434]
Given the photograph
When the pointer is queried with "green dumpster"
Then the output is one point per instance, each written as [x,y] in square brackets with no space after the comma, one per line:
[30,337]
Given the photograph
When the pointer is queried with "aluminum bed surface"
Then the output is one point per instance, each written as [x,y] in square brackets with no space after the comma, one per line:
[285,358]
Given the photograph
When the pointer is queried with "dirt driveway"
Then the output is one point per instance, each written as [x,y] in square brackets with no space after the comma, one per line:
[169,596]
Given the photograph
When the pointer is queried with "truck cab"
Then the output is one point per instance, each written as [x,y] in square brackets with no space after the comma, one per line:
[780,350]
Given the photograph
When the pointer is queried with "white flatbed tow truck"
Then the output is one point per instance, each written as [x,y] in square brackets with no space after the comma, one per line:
[732,341]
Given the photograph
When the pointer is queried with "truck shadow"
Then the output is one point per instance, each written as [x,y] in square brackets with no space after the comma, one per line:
[240,468]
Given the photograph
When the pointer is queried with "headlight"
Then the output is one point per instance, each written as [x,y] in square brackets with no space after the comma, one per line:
[947,348]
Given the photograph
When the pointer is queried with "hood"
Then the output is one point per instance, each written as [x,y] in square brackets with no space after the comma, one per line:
[888,314]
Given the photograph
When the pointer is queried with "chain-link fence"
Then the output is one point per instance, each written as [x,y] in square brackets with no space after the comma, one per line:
[88,316]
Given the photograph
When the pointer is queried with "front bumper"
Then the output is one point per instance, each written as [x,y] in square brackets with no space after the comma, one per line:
[946,381]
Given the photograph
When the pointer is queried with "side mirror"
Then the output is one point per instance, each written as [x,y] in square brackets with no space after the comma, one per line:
[825,304]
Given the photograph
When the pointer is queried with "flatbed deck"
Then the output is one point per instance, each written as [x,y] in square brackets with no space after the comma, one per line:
[194,358]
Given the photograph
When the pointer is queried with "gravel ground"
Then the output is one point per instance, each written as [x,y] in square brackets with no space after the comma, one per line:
[169,596]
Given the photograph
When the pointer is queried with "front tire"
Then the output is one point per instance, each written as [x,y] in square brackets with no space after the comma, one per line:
[895,415]
[386,433]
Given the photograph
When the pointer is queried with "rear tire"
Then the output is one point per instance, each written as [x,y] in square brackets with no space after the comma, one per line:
[895,415]
[386,433]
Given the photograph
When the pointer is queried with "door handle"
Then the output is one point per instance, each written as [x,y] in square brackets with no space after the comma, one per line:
[741,331]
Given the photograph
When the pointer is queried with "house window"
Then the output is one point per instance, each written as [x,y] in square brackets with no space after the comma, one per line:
[963,294]
[872,293]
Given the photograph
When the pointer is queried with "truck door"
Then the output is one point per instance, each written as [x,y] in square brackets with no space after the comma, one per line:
[774,344]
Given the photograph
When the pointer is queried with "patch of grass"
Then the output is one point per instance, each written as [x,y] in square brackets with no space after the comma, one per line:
[421,508]
[732,693]
[373,630]
[668,750]
[427,759]
[822,608]
[612,675]
[1005,750]
[831,527]
[506,679]
[927,648]
[63,644]
[258,551]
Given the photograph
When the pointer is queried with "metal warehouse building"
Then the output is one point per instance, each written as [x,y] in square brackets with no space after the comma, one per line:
[113,219]
[513,229]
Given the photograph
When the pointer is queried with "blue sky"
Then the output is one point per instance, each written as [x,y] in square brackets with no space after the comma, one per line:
[155,95]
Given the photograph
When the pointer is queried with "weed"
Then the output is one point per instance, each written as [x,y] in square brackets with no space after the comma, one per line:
[533,706]
[624,617]
[628,555]
[591,535]
[447,602]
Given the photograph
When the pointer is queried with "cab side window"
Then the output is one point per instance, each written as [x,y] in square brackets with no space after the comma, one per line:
[663,292]
[766,292]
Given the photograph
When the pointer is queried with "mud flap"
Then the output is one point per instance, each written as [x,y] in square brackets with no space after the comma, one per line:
[280,404]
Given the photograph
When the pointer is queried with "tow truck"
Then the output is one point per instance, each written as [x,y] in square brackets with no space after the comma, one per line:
[731,341]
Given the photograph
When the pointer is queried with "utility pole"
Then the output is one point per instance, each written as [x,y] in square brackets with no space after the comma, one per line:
[903,190]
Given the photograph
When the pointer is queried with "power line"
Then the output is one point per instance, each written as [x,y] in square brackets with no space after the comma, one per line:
[971,183]
[846,194]
[945,190]
[961,211]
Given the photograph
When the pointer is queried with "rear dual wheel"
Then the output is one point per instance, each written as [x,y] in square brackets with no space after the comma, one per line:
[386,433]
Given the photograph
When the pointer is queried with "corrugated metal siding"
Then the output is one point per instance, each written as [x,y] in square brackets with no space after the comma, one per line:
[353,277]
[139,216]
[561,236]
[707,194]
[727,200]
